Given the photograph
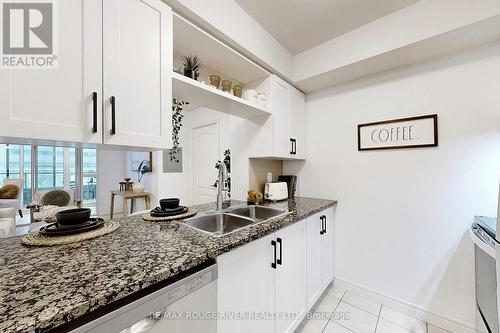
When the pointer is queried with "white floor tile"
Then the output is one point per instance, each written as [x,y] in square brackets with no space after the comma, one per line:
[332,327]
[362,303]
[326,305]
[354,318]
[403,320]
[385,326]
[336,291]
[435,329]
[312,325]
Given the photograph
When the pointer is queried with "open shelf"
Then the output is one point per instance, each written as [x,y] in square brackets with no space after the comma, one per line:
[202,95]
[189,39]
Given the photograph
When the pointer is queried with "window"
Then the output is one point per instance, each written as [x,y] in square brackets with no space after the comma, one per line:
[54,168]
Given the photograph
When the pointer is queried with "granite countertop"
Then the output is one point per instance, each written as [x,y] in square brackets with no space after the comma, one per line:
[44,287]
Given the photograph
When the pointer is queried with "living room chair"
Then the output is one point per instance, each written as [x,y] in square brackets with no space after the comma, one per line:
[7,222]
[39,211]
[16,203]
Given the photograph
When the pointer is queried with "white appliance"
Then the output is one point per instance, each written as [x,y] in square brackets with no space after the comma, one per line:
[483,234]
[188,306]
[276,191]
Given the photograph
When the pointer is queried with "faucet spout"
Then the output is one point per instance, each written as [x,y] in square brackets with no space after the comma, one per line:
[221,185]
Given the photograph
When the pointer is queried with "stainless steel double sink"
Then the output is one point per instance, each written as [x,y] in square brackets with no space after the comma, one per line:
[233,219]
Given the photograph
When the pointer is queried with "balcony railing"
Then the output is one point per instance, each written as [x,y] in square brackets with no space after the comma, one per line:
[89,190]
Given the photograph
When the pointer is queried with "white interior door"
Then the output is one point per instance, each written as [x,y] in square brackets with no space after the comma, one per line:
[206,152]
[57,103]
[137,65]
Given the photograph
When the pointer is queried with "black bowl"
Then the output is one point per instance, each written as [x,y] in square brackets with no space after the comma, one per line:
[169,203]
[73,216]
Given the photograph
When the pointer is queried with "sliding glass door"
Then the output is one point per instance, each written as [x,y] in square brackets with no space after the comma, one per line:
[48,168]
[15,163]
[55,168]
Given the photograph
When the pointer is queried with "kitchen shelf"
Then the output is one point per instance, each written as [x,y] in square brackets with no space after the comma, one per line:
[202,95]
[190,39]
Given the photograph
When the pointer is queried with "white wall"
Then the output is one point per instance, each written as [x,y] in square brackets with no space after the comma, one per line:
[111,169]
[232,135]
[403,216]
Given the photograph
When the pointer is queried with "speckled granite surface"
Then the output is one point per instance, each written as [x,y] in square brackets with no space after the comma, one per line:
[43,287]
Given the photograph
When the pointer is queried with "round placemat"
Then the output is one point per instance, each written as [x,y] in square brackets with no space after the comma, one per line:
[189,213]
[34,238]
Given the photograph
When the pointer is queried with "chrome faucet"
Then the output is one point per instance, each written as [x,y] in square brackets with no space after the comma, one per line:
[221,185]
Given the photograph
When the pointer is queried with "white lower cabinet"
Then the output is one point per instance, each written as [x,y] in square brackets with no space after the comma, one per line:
[246,284]
[268,285]
[314,248]
[290,291]
[327,259]
[320,260]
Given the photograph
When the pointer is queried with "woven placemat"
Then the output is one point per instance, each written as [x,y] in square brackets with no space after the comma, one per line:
[189,213]
[34,238]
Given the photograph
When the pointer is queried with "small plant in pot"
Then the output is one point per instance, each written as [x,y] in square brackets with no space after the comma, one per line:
[141,171]
[192,65]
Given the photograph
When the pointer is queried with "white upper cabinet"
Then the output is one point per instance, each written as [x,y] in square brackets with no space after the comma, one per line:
[281,93]
[297,123]
[280,136]
[110,48]
[57,103]
[137,73]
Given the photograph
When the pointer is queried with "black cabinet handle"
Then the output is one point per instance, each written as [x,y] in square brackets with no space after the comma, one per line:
[295,146]
[279,261]
[94,112]
[324,219]
[113,120]
[273,264]
[291,151]
[322,231]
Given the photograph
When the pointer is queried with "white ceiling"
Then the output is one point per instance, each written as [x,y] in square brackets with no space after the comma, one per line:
[301,24]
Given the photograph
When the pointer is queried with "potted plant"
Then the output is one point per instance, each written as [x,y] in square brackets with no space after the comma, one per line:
[192,65]
[141,171]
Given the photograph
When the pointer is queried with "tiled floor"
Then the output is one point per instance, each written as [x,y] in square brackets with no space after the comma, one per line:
[343,311]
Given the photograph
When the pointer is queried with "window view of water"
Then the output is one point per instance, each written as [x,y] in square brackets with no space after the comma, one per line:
[56,169]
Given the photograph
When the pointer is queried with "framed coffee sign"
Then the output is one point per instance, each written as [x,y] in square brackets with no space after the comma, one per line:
[414,132]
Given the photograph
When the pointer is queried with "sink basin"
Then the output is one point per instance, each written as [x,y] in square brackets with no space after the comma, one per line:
[257,213]
[219,223]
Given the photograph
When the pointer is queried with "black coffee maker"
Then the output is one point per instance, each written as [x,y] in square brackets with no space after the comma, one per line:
[291,182]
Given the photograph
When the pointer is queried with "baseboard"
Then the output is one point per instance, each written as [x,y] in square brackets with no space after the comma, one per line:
[406,308]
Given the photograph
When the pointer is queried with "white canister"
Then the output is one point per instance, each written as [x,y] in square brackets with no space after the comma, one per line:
[251,96]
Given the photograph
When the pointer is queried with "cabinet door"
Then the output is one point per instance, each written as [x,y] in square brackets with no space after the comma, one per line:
[314,259]
[57,103]
[327,248]
[281,108]
[246,285]
[291,277]
[137,65]
[297,122]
